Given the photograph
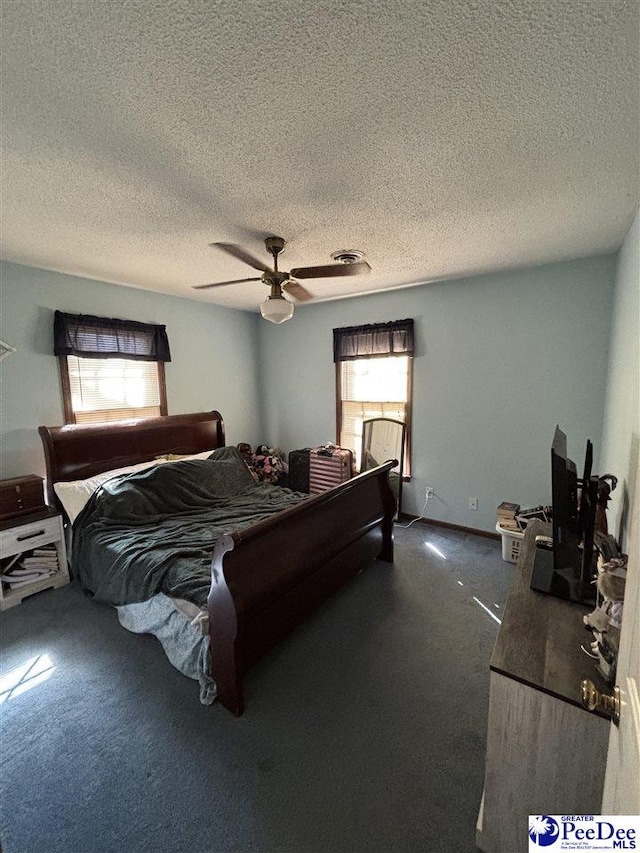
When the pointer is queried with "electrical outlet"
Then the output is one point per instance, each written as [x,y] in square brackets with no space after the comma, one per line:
[473,503]
[428,493]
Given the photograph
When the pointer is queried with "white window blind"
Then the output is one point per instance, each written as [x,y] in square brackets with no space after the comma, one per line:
[371,388]
[112,389]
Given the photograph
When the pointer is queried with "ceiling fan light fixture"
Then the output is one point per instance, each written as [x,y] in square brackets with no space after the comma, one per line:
[276,309]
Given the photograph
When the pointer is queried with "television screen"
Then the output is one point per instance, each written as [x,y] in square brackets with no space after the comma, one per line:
[566,571]
[564,500]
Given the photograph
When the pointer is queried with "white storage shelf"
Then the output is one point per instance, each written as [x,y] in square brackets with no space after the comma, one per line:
[19,536]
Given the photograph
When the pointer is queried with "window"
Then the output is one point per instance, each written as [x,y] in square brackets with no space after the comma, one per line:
[114,389]
[110,369]
[371,388]
[374,366]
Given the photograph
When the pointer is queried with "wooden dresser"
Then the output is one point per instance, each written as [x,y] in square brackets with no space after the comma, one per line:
[546,754]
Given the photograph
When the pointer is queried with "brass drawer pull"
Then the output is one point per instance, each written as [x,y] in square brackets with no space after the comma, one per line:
[609,703]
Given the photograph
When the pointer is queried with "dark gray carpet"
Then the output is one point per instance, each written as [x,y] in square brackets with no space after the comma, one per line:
[364,730]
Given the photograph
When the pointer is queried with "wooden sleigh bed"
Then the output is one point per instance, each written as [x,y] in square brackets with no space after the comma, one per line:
[266,578]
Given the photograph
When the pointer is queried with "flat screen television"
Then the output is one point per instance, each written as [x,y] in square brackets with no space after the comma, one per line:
[568,570]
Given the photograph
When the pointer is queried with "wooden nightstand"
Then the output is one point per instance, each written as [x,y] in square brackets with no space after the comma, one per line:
[20,535]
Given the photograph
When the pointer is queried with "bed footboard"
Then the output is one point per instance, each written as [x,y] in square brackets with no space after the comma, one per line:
[266,579]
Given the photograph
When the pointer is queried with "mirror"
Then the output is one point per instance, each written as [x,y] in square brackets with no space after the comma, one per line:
[383,439]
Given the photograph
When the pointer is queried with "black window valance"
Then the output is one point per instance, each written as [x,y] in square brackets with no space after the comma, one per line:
[102,337]
[377,339]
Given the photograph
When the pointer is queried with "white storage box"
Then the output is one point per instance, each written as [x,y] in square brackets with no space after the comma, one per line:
[511,541]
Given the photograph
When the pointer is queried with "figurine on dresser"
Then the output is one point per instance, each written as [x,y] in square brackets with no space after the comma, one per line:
[606,620]
[606,484]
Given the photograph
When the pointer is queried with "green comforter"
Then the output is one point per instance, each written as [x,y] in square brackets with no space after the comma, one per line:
[154,531]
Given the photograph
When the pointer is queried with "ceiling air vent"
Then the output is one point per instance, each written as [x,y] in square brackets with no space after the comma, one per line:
[348,256]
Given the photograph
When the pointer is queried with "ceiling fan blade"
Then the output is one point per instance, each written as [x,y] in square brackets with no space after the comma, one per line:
[299,293]
[223,283]
[331,270]
[242,255]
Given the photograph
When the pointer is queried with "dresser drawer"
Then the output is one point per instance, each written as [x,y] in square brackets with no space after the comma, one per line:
[23,537]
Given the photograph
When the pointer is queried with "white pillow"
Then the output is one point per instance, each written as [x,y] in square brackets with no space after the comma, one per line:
[75,494]
[178,457]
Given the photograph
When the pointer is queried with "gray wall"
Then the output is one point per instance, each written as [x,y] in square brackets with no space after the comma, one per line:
[214,353]
[500,360]
[621,439]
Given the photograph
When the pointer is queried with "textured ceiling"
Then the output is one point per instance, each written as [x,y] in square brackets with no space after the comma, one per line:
[441,137]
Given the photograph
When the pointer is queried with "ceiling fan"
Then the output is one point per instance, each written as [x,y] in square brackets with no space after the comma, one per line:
[276,308]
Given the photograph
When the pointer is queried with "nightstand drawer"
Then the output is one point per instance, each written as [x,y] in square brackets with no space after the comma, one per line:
[27,536]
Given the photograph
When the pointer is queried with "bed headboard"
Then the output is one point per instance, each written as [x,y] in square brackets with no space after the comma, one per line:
[78,451]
